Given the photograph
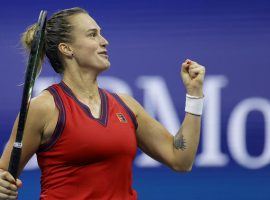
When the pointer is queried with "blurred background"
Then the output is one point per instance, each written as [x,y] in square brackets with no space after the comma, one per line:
[148,42]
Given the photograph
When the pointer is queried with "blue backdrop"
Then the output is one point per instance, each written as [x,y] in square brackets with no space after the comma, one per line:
[148,42]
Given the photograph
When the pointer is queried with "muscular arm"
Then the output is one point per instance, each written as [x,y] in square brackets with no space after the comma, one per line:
[186,141]
[157,142]
[177,152]
[37,121]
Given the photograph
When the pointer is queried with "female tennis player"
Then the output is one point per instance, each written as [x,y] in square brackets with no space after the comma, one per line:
[85,137]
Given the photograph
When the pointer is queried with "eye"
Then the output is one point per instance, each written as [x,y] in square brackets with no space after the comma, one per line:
[93,34]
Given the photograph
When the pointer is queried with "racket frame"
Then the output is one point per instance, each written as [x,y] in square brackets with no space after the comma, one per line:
[30,77]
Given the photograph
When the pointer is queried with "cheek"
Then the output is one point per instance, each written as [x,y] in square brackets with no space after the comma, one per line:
[87,52]
[86,45]
[90,48]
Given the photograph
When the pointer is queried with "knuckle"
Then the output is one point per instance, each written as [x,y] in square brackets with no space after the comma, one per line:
[11,197]
[2,183]
[3,196]
[4,173]
[9,185]
[8,192]
[194,65]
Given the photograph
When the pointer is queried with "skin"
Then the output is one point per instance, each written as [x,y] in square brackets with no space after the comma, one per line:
[83,62]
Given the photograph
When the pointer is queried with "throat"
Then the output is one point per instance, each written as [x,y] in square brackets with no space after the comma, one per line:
[94,105]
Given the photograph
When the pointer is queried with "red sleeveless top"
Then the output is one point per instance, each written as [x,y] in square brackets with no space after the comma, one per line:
[88,158]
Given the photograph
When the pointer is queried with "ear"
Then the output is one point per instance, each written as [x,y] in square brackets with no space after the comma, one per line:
[65,49]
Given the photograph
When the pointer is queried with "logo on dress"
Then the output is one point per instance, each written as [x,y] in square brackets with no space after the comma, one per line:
[121,117]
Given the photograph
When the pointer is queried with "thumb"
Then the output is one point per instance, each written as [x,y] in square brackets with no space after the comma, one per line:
[185,72]
[18,183]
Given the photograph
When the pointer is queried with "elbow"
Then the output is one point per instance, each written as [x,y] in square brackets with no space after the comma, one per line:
[182,168]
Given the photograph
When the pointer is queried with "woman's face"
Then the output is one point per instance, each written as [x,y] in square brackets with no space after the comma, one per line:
[89,47]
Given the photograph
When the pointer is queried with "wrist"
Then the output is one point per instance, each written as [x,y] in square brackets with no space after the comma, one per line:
[194,104]
[196,93]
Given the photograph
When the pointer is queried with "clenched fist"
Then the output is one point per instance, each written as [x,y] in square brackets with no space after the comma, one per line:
[193,76]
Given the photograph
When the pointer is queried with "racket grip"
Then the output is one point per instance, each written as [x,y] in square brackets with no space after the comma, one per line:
[14,161]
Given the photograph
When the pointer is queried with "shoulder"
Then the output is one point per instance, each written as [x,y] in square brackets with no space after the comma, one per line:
[132,103]
[41,108]
[42,103]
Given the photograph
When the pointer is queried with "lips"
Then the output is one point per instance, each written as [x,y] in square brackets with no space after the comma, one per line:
[103,53]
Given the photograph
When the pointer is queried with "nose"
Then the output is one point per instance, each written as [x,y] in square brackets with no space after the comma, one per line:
[103,41]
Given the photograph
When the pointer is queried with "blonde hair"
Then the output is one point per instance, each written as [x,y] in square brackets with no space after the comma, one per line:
[27,39]
[58,29]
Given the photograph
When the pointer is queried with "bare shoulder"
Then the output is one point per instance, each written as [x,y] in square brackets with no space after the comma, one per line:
[42,104]
[41,110]
[132,103]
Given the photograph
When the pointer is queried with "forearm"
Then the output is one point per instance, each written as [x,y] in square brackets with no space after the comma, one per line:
[186,142]
[2,165]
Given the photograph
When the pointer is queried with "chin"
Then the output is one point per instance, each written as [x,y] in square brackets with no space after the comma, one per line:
[107,64]
[105,67]
[101,65]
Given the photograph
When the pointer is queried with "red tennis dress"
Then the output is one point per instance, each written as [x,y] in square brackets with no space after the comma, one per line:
[88,158]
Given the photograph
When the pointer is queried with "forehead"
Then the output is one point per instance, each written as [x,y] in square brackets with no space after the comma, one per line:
[83,22]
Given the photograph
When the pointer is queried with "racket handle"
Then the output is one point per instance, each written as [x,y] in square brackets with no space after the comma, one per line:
[15,161]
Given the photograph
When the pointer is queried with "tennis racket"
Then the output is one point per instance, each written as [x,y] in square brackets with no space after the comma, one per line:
[31,73]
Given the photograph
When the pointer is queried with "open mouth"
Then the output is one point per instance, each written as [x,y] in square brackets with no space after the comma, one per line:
[103,54]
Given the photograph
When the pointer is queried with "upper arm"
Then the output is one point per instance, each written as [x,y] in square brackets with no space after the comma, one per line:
[37,118]
[153,138]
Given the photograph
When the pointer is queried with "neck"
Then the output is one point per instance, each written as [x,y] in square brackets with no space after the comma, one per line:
[83,84]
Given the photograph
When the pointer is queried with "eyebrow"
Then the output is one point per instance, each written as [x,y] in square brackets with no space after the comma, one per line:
[93,29]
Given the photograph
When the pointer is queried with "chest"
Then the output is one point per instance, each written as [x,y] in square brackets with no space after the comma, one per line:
[87,139]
